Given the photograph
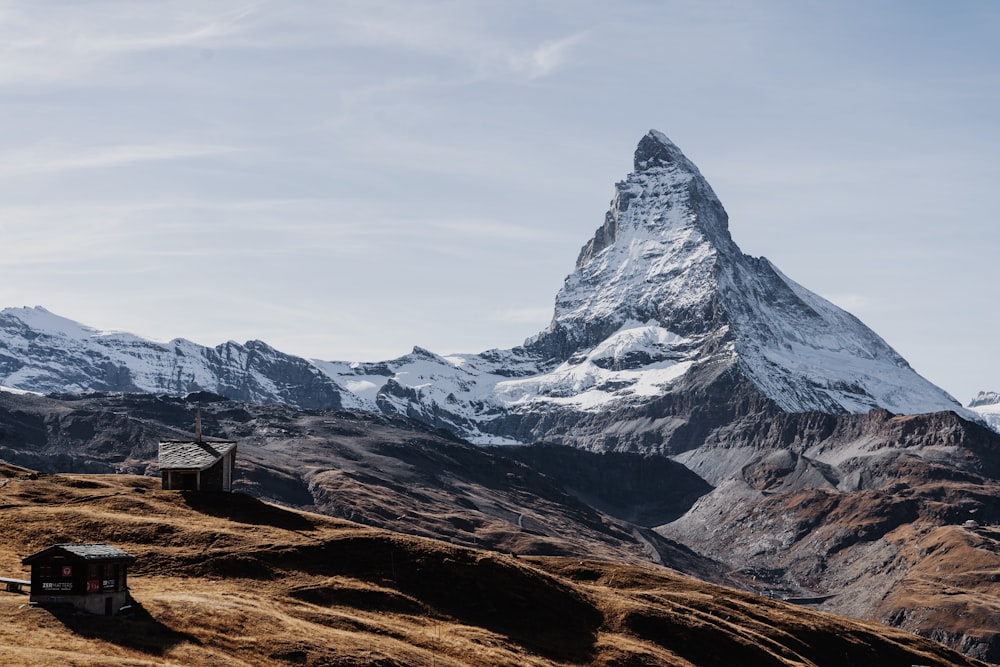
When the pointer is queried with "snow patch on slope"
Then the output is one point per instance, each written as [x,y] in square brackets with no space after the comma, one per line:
[805,353]
[637,361]
[463,392]
[987,406]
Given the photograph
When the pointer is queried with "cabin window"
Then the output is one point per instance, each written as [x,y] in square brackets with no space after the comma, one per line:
[109,577]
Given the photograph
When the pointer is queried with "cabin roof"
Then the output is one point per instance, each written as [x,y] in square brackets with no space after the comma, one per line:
[90,552]
[192,454]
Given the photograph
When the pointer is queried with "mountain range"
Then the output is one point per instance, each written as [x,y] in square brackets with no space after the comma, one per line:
[688,405]
[661,308]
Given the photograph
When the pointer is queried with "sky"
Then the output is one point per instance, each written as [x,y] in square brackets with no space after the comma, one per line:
[347,179]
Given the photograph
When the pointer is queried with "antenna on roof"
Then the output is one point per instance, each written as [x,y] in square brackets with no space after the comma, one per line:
[197,425]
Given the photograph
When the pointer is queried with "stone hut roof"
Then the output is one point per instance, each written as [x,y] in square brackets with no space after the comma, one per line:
[91,552]
[192,454]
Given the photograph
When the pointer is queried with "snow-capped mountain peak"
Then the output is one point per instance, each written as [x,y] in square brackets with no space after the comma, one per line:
[664,254]
[661,307]
[654,258]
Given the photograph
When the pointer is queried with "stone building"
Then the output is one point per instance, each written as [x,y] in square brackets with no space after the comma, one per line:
[198,464]
[191,465]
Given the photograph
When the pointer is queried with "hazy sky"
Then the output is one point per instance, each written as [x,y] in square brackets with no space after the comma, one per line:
[345,180]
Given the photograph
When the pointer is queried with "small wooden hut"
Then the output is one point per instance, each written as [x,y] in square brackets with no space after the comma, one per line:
[198,464]
[87,577]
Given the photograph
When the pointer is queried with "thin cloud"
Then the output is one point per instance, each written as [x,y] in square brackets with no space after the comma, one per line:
[485,229]
[550,56]
[41,46]
[47,159]
[470,38]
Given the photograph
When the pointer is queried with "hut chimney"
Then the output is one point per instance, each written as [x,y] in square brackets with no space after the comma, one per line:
[197,425]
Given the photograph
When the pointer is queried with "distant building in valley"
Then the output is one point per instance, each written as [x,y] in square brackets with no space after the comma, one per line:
[88,577]
[197,465]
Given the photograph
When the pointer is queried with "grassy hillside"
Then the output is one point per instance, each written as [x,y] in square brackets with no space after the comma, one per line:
[231,580]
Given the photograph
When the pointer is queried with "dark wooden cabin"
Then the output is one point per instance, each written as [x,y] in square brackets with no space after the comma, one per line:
[197,465]
[87,577]
[191,465]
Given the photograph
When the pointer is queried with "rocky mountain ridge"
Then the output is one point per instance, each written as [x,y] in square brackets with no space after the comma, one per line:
[45,353]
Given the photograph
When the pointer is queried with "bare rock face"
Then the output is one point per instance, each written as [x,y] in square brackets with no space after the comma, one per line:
[875,516]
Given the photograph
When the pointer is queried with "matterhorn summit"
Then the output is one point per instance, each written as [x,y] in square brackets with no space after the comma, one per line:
[663,320]
[664,255]
[655,257]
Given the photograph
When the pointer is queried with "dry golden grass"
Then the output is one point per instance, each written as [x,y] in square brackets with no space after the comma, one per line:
[229,580]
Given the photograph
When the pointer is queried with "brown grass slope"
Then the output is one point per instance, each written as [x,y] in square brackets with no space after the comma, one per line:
[378,470]
[229,579]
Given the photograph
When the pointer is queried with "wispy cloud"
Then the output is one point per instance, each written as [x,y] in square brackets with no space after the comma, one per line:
[488,229]
[549,56]
[46,158]
[41,44]
[470,37]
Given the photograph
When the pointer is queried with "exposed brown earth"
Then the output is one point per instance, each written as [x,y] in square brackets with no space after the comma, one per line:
[901,552]
[228,579]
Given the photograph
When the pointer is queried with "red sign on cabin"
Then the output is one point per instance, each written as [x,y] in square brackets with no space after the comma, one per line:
[67,570]
[93,586]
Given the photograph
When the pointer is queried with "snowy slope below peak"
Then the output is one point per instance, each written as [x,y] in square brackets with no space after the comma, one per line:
[807,354]
[637,361]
